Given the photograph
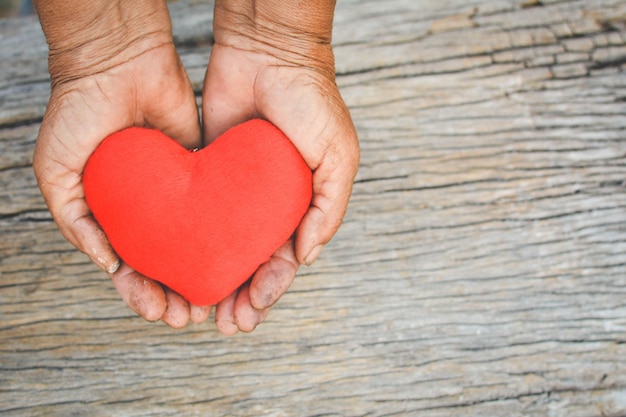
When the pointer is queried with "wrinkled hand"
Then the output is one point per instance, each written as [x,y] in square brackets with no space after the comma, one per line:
[261,74]
[118,68]
[140,82]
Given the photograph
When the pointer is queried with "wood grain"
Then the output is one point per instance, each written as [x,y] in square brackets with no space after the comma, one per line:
[480,271]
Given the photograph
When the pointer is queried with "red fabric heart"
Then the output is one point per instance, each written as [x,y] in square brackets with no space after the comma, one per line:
[199,222]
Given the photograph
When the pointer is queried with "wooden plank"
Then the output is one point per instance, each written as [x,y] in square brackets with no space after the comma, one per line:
[480,271]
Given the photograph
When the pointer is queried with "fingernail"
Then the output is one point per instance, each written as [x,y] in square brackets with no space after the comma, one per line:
[227,327]
[113,267]
[262,302]
[312,256]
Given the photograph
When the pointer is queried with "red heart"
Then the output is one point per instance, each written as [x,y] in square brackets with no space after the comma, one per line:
[199,222]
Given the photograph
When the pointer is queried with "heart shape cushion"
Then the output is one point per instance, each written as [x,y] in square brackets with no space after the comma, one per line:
[198,222]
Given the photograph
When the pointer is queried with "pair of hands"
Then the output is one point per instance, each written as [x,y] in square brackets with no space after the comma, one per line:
[138,80]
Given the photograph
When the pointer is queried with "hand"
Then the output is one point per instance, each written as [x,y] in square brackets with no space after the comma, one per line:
[124,73]
[262,70]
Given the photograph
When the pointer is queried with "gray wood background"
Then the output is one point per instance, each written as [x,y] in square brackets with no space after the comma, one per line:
[481,269]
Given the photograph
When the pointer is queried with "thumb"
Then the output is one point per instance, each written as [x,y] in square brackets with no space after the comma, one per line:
[332,187]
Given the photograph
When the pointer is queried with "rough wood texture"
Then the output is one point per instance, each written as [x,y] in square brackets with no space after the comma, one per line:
[481,270]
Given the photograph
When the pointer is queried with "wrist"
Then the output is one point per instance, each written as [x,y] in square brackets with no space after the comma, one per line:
[86,38]
[294,33]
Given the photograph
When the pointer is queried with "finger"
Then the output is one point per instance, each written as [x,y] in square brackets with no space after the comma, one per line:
[274,277]
[225,315]
[176,314]
[144,296]
[86,235]
[82,231]
[199,314]
[246,316]
[93,242]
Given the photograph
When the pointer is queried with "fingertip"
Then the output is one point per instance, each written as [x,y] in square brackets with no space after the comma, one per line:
[226,327]
[149,301]
[144,296]
[177,312]
[246,316]
[225,315]
[313,255]
[113,267]
[85,233]
[151,311]
[273,278]
[199,314]
[313,233]
[105,259]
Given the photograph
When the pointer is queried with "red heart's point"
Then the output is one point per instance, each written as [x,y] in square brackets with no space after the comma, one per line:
[198,222]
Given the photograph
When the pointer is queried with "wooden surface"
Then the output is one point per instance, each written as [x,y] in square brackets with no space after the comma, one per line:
[481,269]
